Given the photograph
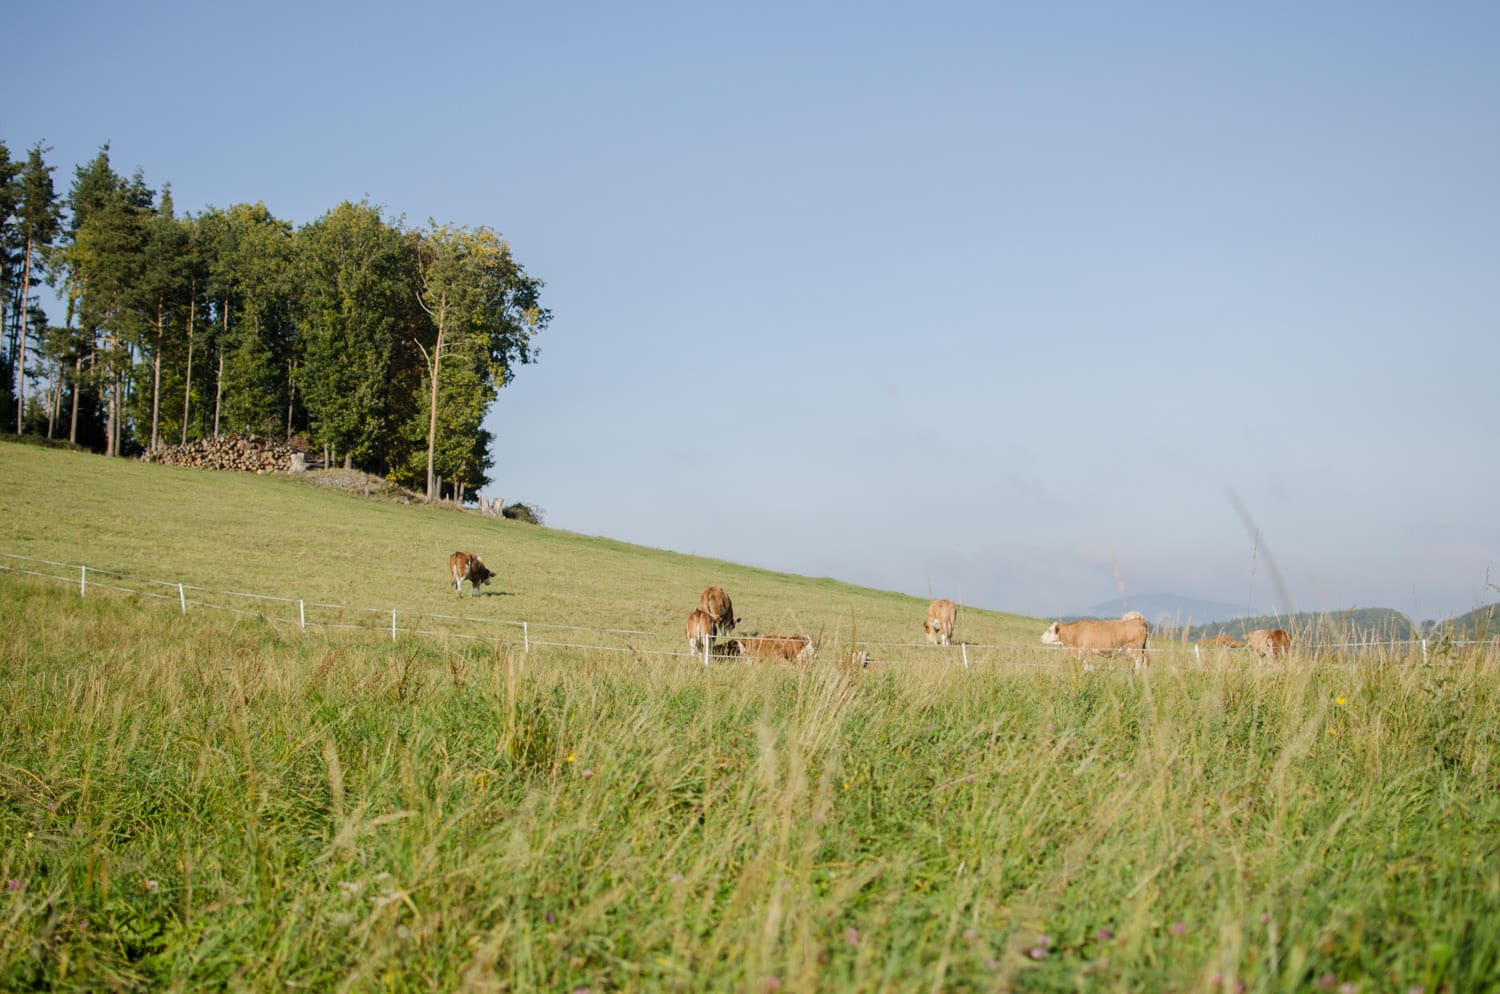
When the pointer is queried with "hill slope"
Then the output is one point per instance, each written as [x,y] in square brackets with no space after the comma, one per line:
[278,535]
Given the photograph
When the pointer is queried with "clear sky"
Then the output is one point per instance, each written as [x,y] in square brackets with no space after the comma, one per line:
[991,301]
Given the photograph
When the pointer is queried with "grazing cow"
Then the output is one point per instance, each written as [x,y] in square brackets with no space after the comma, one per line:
[700,631]
[1082,637]
[467,566]
[778,648]
[1269,642]
[1226,640]
[939,623]
[716,604]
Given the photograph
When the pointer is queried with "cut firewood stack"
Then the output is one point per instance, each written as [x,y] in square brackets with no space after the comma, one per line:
[244,453]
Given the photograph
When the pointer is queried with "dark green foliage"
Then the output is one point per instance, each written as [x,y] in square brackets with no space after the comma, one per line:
[181,327]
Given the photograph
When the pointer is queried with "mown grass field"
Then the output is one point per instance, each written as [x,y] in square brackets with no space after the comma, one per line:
[214,801]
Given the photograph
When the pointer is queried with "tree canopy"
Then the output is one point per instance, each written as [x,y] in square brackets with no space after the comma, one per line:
[383,346]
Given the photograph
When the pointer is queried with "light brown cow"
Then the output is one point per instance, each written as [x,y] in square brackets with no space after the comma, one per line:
[1269,642]
[700,631]
[1082,637]
[778,648]
[467,566]
[716,604]
[939,623]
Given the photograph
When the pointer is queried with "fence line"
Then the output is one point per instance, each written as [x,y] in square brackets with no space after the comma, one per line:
[85,580]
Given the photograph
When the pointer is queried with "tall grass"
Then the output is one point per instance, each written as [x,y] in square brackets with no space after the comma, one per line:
[206,802]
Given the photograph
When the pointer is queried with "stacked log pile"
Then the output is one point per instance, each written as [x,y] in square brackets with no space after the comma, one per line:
[243,453]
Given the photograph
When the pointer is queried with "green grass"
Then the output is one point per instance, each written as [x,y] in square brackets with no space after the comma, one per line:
[212,801]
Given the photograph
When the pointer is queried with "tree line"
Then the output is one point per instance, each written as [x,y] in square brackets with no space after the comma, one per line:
[383,346]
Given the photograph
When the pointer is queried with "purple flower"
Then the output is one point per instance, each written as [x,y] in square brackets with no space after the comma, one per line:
[12,885]
[1037,952]
[1104,934]
[588,774]
[1178,928]
[851,936]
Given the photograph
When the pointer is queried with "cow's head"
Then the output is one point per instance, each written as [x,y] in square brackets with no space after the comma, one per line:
[1051,636]
[479,573]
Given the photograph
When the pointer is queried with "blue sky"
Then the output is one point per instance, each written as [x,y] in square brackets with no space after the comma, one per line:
[993,302]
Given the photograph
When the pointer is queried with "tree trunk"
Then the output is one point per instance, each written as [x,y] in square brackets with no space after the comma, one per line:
[54,401]
[219,386]
[187,390]
[21,345]
[437,359]
[77,385]
[156,380]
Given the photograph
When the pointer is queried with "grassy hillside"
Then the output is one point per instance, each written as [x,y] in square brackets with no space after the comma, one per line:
[279,535]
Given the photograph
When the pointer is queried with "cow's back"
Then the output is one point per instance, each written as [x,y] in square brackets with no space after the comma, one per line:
[716,604]
[700,629]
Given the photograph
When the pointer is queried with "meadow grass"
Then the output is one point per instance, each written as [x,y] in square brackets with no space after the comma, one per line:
[208,802]
[213,801]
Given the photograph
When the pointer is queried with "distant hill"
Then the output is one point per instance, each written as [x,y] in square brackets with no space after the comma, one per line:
[1359,624]
[1480,623]
[1170,609]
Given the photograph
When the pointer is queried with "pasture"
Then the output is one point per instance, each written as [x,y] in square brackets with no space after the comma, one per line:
[215,801]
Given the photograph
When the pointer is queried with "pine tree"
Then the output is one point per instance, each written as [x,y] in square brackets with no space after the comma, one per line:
[355,284]
[39,220]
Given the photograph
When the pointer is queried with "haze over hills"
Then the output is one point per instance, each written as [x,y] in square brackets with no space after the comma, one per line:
[1173,609]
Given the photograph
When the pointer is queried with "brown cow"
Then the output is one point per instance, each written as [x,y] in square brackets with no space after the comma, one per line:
[716,604]
[1081,637]
[1269,642]
[939,623]
[700,631]
[778,648]
[467,566]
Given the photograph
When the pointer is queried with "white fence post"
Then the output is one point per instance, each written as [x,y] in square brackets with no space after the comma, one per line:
[525,639]
[302,614]
[1424,650]
[964,647]
[393,624]
[707,646]
[83,580]
[182,599]
[1197,655]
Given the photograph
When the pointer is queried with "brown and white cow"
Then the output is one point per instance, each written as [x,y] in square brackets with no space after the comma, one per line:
[777,648]
[467,566]
[700,631]
[1269,642]
[716,604]
[939,623]
[1104,637]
